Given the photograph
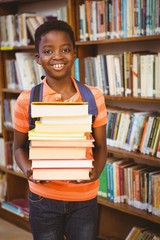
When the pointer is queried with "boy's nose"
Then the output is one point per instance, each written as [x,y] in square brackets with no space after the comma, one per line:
[57,54]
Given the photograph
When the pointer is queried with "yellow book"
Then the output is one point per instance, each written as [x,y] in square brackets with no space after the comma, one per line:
[32,134]
[60,128]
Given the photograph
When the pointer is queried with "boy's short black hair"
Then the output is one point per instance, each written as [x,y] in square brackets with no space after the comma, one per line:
[53,25]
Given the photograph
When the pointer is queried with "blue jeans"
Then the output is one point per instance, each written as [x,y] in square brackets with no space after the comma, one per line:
[52,219]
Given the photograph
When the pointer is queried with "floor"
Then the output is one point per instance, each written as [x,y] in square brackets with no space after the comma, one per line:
[11,232]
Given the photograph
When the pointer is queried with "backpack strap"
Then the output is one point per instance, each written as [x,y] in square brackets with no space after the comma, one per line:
[87,96]
[35,96]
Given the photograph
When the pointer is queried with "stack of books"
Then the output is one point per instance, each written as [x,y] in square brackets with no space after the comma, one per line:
[59,141]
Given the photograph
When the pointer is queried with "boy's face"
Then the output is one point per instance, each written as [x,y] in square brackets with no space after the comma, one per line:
[56,54]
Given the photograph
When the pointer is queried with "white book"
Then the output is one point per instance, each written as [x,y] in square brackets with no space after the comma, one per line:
[136,74]
[11,30]
[157,76]
[24,69]
[123,129]
[3,31]
[62,163]
[2,153]
[111,74]
[41,109]
[143,77]
[150,61]
[99,72]
[118,75]
[24,38]
[94,20]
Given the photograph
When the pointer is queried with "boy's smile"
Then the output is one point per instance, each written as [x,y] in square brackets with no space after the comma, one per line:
[56,55]
[58,66]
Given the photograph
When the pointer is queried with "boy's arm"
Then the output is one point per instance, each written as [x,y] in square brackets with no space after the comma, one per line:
[21,153]
[99,151]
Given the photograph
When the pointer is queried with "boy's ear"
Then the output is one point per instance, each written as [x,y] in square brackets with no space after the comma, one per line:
[37,58]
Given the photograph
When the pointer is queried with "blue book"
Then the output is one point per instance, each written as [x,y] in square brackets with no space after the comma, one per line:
[10,207]
[76,69]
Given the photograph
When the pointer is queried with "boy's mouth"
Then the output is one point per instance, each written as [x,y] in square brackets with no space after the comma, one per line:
[58,66]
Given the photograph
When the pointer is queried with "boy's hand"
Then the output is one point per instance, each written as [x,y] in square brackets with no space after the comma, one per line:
[93,177]
[29,175]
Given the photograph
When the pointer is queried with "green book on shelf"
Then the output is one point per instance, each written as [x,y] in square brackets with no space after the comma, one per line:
[103,183]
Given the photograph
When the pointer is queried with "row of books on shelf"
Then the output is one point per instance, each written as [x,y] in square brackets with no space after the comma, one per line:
[18,206]
[60,140]
[9,105]
[125,181]
[23,72]
[139,233]
[125,74]
[18,30]
[7,159]
[134,131]
[118,19]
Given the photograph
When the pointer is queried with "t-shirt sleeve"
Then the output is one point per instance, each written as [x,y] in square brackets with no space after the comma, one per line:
[20,121]
[101,117]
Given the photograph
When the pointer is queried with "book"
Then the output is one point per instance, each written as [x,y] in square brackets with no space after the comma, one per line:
[33,135]
[23,31]
[3,186]
[88,142]
[123,129]
[103,188]
[17,206]
[41,109]
[57,153]
[62,163]
[155,139]
[158,150]
[2,153]
[61,174]
[62,127]
[137,186]
[22,59]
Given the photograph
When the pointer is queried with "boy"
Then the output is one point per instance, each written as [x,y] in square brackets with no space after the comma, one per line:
[59,208]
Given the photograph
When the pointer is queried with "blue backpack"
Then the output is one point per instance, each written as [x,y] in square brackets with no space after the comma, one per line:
[87,96]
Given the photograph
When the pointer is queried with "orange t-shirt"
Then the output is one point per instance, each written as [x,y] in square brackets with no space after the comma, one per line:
[60,190]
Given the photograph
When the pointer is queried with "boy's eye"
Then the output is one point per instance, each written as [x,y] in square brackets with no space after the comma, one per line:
[48,52]
[66,50]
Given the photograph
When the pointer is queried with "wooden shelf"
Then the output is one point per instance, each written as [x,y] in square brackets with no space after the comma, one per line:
[134,155]
[12,91]
[132,99]
[5,170]
[119,40]
[18,174]
[15,219]
[123,207]
[29,47]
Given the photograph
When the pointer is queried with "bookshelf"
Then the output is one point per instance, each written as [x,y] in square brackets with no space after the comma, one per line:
[121,217]
[17,185]
[117,219]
